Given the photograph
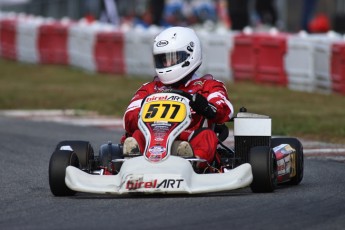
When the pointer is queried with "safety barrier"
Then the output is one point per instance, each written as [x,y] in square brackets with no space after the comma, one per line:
[27,34]
[138,52]
[322,60]
[338,67]
[8,38]
[80,46]
[260,57]
[271,50]
[52,43]
[244,57]
[217,54]
[299,61]
[109,53]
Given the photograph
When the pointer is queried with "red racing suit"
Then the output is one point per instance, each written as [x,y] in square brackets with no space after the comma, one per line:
[203,141]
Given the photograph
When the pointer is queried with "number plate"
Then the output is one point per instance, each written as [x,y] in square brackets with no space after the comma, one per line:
[164,111]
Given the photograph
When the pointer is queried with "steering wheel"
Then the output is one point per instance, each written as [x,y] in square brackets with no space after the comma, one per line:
[179,92]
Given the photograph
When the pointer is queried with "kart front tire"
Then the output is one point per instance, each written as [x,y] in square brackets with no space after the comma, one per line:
[264,169]
[297,145]
[83,149]
[59,161]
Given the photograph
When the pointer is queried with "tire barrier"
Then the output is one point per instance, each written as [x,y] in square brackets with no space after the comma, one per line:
[303,62]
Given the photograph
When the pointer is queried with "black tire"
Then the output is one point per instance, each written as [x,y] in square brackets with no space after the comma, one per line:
[57,171]
[83,149]
[264,169]
[297,145]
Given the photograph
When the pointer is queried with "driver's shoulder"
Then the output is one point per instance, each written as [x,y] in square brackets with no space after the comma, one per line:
[207,77]
[153,82]
[201,80]
[208,81]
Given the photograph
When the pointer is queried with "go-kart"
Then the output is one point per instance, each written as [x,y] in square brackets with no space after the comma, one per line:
[257,160]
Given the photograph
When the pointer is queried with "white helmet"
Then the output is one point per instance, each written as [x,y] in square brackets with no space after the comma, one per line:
[177,53]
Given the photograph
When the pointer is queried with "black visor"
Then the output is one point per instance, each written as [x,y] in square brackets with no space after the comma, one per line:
[170,59]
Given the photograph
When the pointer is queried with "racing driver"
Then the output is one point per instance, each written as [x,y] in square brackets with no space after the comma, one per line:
[177,56]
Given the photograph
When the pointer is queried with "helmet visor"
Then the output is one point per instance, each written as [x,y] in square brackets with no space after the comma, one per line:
[170,59]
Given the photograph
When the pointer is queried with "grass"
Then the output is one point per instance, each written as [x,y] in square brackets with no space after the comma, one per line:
[304,115]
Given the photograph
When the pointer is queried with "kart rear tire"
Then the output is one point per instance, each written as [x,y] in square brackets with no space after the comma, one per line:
[83,149]
[58,163]
[264,169]
[297,145]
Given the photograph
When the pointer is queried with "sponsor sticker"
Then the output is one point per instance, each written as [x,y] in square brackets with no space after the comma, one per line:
[166,184]
[162,43]
[157,150]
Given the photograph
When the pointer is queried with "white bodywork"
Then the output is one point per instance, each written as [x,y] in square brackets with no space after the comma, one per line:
[251,124]
[173,175]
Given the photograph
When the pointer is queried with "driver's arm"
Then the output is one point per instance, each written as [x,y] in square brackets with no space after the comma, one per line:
[130,118]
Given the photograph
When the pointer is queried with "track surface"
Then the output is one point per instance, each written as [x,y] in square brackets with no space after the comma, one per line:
[27,203]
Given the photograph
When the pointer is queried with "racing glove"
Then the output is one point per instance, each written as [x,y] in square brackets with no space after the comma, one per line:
[201,106]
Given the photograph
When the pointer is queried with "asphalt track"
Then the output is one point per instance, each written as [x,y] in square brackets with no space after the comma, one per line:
[27,203]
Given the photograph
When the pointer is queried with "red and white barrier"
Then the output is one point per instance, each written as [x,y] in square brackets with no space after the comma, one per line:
[138,51]
[52,43]
[338,67]
[322,59]
[26,43]
[8,38]
[260,57]
[271,50]
[243,57]
[109,53]
[80,45]
[299,61]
